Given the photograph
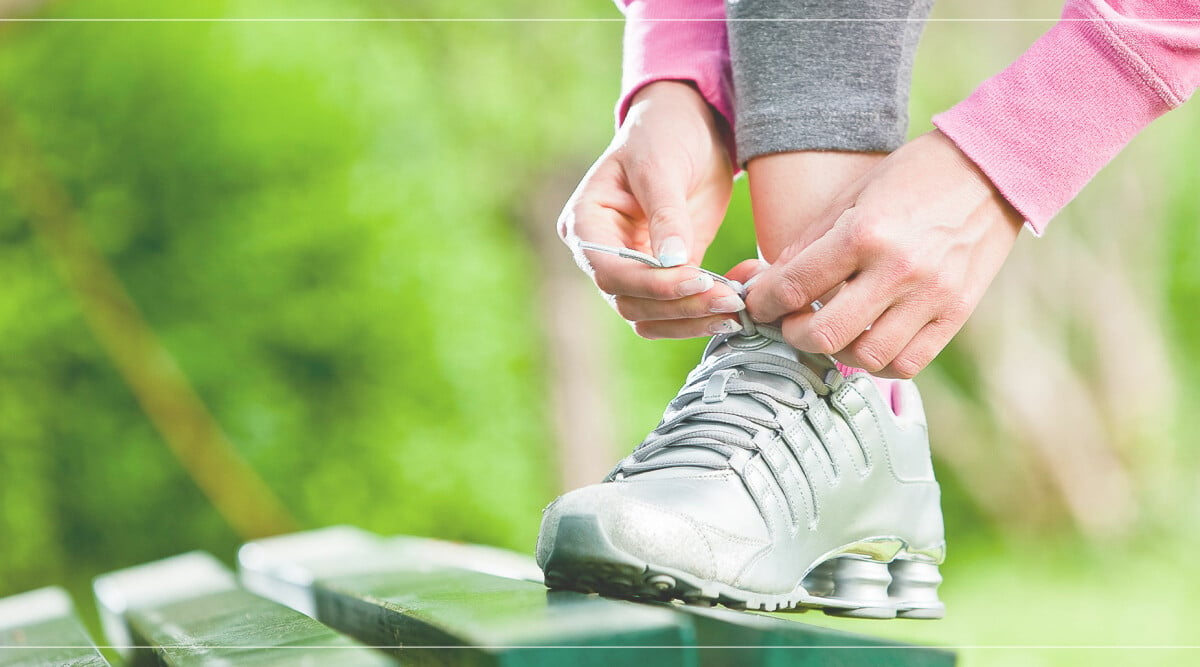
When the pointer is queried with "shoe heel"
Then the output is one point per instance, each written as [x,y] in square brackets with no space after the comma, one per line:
[914,588]
[861,582]
[820,580]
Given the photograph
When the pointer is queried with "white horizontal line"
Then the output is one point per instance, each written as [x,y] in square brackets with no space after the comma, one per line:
[285,19]
[506,647]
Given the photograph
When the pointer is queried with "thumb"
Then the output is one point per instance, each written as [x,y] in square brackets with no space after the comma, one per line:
[792,286]
[664,201]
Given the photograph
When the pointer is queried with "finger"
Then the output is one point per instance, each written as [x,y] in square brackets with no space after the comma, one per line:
[841,320]
[794,285]
[594,214]
[601,209]
[719,300]
[746,270]
[693,328]
[597,223]
[662,195]
[876,348]
[828,296]
[623,277]
[922,349]
[599,213]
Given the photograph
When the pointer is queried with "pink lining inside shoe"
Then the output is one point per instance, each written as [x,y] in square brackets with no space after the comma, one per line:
[888,388]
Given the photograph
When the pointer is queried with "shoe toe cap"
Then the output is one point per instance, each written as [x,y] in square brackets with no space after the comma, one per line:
[617,521]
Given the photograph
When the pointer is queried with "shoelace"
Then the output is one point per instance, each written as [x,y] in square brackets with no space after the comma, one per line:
[696,415]
[683,425]
[748,326]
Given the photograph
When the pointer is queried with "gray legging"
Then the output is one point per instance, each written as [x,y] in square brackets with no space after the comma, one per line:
[822,84]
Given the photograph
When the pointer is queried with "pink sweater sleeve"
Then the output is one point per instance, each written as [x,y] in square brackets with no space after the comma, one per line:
[1042,128]
[677,40]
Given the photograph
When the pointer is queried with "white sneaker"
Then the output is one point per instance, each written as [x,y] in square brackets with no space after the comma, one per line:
[772,482]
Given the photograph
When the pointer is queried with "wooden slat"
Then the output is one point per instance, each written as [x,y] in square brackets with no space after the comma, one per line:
[482,619]
[288,580]
[40,628]
[432,615]
[284,565]
[188,611]
[745,638]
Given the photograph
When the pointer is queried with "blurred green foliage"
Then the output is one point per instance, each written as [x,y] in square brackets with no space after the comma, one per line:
[323,223]
[316,220]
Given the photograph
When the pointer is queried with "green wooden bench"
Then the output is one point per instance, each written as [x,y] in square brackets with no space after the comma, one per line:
[403,592]
[342,596]
[189,610]
[738,638]
[40,628]
[407,596]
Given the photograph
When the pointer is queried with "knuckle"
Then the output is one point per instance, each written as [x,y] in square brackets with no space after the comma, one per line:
[790,292]
[605,282]
[865,234]
[664,215]
[822,342]
[848,219]
[940,285]
[908,266]
[822,338]
[662,288]
[868,357]
[639,165]
[957,310]
[693,308]
[645,330]
[669,220]
[623,307]
[906,367]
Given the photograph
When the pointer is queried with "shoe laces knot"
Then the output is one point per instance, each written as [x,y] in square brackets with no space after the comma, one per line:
[701,416]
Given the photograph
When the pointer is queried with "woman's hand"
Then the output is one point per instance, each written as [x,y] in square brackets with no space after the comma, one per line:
[661,188]
[917,241]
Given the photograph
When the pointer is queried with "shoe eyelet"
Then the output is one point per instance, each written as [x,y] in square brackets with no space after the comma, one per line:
[755,342]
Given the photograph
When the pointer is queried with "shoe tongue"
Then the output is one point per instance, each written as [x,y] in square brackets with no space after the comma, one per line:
[770,341]
[685,460]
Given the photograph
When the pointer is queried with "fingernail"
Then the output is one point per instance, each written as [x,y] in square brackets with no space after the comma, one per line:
[725,326]
[701,283]
[672,252]
[726,304]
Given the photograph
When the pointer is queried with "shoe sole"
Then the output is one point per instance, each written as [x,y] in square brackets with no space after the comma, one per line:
[584,559]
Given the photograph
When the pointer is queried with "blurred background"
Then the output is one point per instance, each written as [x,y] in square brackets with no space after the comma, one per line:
[264,276]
